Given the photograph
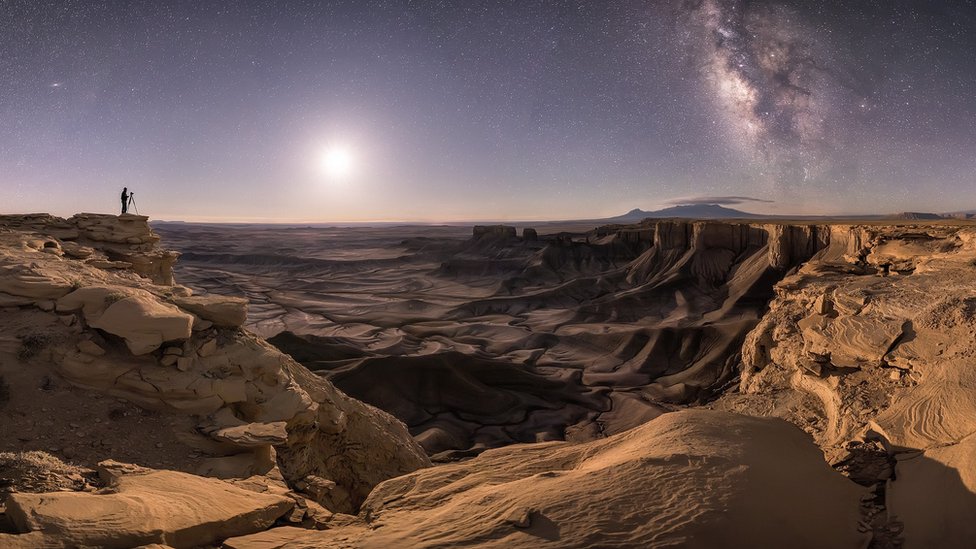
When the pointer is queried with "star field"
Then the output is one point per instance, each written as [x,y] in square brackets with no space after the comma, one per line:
[486,110]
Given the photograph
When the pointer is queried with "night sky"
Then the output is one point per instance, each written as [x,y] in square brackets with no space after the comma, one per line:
[409,110]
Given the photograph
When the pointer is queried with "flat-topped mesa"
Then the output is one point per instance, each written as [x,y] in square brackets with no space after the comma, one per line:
[103,240]
[639,237]
[495,232]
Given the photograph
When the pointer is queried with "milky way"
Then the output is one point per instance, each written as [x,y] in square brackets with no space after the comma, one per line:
[777,84]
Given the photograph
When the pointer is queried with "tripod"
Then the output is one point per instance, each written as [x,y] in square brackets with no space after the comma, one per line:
[132,202]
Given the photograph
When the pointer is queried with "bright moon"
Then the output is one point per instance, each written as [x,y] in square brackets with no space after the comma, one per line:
[337,162]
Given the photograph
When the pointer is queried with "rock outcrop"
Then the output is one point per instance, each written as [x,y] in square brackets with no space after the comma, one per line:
[135,315]
[685,479]
[140,506]
[116,334]
[220,310]
[871,343]
[104,241]
[495,232]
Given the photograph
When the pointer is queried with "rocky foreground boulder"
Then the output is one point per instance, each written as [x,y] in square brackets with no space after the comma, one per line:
[697,479]
[140,506]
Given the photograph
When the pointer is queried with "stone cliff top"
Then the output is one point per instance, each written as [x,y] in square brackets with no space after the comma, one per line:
[89,302]
[103,241]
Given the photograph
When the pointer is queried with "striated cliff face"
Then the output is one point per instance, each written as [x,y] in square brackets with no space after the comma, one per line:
[91,325]
[103,241]
[581,336]
[869,346]
[786,245]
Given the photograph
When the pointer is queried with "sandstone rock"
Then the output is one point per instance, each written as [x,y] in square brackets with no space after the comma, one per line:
[168,360]
[146,506]
[230,390]
[31,540]
[45,245]
[107,265]
[275,538]
[529,234]
[246,465]
[253,434]
[208,348]
[92,300]
[89,347]
[77,251]
[718,479]
[200,324]
[519,517]
[315,486]
[156,265]
[933,495]
[121,229]
[7,300]
[822,305]
[26,281]
[370,447]
[244,375]
[181,291]
[221,310]
[144,322]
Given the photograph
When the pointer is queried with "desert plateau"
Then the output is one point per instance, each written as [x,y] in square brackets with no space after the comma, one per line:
[386,274]
[670,383]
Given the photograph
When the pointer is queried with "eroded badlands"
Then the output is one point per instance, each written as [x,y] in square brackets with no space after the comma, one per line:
[672,383]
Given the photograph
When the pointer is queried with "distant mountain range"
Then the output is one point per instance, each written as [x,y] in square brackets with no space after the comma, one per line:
[696,211]
[715,211]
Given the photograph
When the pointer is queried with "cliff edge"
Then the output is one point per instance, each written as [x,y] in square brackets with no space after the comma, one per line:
[103,357]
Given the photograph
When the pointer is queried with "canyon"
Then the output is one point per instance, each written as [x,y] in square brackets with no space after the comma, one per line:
[657,384]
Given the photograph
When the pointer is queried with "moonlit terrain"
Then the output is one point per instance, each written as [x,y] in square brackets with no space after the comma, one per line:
[647,274]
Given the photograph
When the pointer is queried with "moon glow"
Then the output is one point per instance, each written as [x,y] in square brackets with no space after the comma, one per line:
[337,162]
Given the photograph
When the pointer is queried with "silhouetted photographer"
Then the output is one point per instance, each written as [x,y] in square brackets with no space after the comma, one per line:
[125,200]
[128,199]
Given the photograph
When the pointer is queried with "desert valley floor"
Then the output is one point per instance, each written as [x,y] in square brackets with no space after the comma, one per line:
[672,383]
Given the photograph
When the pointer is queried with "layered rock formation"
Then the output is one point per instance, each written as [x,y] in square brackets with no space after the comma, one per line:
[104,241]
[238,406]
[498,232]
[869,347]
[140,506]
[861,335]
